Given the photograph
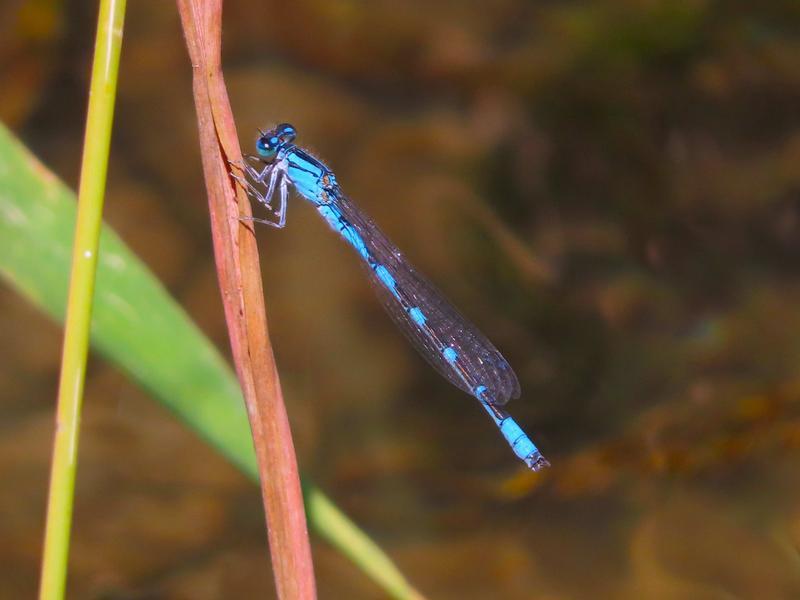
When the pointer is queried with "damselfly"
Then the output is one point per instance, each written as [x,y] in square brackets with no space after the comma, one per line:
[450,343]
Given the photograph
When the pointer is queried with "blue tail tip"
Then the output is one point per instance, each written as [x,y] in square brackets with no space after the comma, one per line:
[537,462]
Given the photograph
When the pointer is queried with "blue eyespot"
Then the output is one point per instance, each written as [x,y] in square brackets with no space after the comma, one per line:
[265,147]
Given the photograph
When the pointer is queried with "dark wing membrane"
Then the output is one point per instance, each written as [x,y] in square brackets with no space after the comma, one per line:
[477,362]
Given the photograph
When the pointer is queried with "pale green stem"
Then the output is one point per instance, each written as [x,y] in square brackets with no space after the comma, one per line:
[102,93]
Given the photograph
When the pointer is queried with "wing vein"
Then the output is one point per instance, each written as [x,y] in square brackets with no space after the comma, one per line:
[425,317]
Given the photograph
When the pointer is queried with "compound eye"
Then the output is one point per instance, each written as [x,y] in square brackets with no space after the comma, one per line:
[266,148]
[286,132]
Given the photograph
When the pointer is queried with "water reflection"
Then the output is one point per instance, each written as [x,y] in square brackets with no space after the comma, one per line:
[609,191]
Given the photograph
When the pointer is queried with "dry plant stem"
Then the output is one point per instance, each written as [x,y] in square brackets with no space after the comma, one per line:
[240,282]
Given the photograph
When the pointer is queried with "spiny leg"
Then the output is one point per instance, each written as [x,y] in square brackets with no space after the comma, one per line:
[284,191]
[273,179]
[263,221]
[257,175]
[265,200]
[252,192]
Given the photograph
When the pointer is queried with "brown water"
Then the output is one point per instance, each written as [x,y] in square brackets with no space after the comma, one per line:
[610,190]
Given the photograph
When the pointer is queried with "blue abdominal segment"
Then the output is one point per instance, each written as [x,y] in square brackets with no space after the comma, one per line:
[334,218]
[519,441]
[417,316]
[450,355]
[386,278]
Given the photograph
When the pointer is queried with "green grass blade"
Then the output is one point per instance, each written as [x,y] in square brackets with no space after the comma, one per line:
[83,270]
[132,312]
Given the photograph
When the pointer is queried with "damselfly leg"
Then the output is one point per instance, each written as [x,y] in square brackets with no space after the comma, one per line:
[263,198]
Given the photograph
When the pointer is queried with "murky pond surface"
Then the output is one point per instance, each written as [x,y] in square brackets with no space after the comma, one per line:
[611,191]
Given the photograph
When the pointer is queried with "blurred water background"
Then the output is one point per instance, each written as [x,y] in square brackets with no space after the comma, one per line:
[609,189]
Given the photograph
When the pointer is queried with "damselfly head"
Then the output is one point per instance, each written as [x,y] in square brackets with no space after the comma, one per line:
[267,146]
[269,142]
